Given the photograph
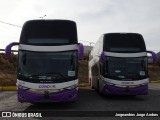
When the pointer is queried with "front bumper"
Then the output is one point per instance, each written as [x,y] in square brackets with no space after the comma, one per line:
[65,96]
[115,90]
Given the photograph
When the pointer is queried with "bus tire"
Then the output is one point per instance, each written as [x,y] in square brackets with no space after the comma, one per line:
[98,88]
[91,84]
[36,103]
[93,87]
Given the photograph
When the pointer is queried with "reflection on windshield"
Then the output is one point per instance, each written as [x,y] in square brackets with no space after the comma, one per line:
[130,68]
[42,65]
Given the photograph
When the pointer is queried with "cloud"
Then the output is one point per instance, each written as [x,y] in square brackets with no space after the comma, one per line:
[93,17]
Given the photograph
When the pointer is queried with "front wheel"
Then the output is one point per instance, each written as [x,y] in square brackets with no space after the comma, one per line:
[98,88]
[91,84]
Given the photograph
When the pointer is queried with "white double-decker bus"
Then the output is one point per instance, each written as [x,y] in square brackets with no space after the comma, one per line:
[47,61]
[118,64]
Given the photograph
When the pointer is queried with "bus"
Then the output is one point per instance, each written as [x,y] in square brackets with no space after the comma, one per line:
[118,64]
[48,54]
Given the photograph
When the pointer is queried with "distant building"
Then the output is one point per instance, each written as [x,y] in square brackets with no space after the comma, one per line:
[87,49]
[158,55]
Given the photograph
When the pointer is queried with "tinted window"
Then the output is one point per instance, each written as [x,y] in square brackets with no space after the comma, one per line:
[47,30]
[53,67]
[130,42]
[126,68]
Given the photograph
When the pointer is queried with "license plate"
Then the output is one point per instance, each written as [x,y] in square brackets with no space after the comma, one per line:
[127,83]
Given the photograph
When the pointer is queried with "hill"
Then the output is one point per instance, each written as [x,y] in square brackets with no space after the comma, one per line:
[8,70]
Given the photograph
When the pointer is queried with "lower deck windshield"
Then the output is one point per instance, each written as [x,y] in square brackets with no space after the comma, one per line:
[126,68]
[47,67]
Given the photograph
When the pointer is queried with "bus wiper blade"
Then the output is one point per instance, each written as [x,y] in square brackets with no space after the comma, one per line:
[44,74]
[50,74]
[55,74]
[25,75]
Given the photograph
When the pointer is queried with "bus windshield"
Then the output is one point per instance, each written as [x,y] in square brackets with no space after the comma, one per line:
[47,66]
[126,68]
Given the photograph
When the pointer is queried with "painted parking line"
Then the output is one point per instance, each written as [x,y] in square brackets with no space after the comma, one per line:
[8,88]
[154,86]
[155,81]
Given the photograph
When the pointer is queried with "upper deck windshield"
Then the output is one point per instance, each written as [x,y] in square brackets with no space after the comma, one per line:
[45,67]
[126,68]
[49,33]
[124,43]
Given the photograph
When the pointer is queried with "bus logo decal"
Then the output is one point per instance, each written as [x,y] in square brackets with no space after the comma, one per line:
[47,86]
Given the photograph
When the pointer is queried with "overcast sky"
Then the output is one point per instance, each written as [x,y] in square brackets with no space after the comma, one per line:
[93,17]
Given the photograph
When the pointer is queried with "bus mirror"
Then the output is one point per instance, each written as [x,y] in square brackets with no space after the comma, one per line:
[80,51]
[102,57]
[8,49]
[154,56]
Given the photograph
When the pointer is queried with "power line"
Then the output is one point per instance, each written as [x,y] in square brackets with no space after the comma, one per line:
[10,24]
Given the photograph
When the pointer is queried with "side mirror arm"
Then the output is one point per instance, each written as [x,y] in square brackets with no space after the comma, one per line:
[8,49]
[154,56]
[80,51]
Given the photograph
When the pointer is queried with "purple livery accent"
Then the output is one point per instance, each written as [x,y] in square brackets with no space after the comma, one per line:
[102,57]
[154,56]
[8,49]
[114,90]
[67,96]
[81,51]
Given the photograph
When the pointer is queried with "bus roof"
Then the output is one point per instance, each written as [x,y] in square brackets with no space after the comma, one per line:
[65,31]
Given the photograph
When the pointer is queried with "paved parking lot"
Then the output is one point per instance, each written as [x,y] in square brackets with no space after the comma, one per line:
[89,103]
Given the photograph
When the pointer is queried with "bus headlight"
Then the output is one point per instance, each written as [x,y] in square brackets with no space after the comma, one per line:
[71,87]
[22,87]
[52,90]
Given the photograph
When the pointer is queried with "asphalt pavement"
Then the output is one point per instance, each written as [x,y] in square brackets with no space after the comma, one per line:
[89,105]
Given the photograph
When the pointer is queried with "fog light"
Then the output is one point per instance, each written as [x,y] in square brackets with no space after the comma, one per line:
[21,96]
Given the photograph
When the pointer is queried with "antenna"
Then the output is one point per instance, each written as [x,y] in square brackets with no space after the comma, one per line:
[42,17]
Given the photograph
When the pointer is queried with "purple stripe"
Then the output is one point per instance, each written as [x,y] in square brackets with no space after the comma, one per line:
[103,57]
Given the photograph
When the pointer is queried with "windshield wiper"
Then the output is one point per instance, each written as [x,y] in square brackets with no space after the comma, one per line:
[51,74]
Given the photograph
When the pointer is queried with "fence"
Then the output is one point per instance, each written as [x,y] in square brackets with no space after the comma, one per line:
[3,50]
